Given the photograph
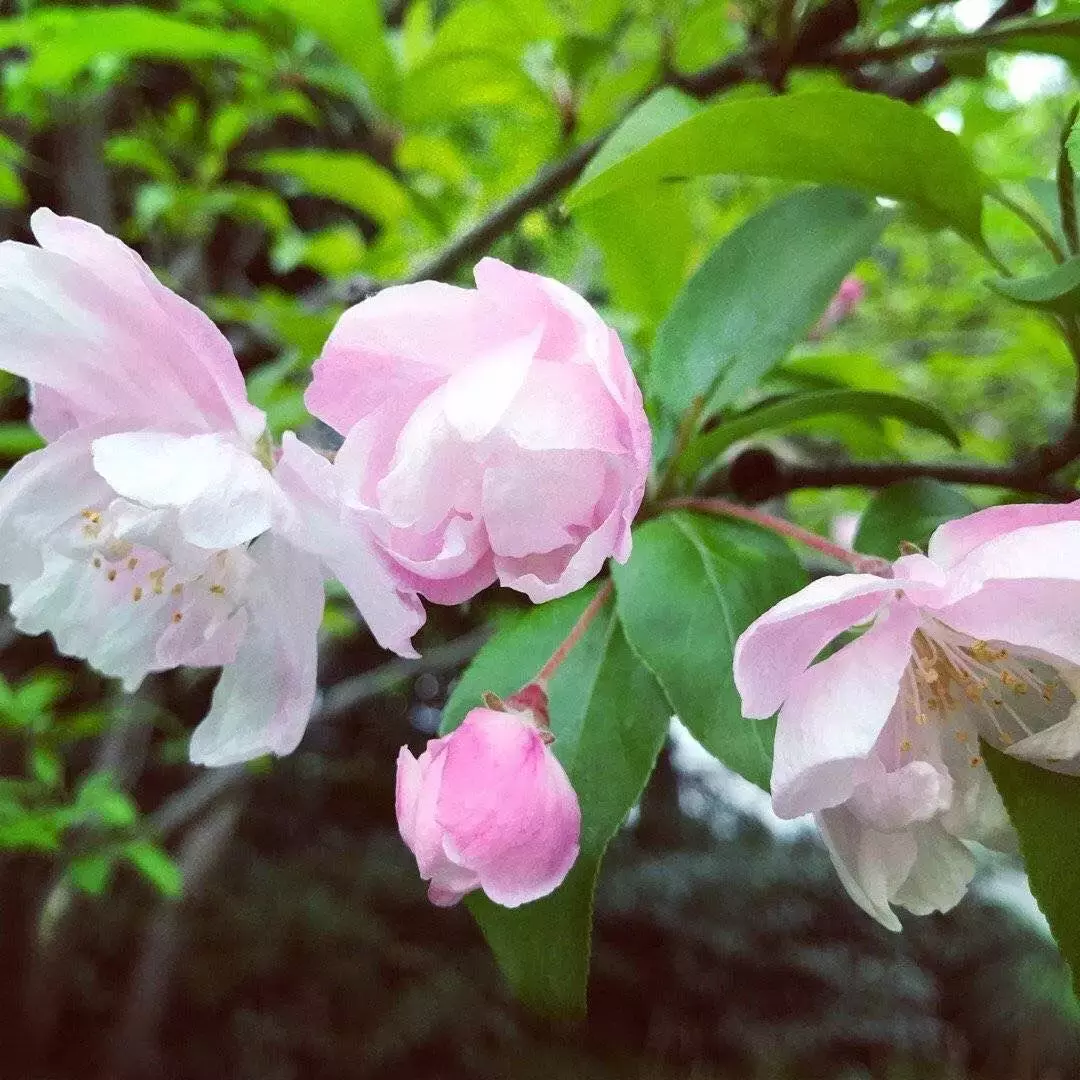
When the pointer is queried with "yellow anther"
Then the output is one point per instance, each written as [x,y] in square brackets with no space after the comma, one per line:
[132,563]
[177,616]
[136,593]
[177,589]
[905,746]
[158,579]
[961,736]
[975,762]
[97,562]
[1006,739]
[218,590]
[93,516]
[1048,693]
[922,719]
[111,575]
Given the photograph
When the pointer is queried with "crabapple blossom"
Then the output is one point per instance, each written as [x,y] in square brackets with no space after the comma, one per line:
[844,301]
[494,433]
[156,529]
[977,639]
[488,806]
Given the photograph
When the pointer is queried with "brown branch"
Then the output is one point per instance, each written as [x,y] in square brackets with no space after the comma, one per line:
[758,474]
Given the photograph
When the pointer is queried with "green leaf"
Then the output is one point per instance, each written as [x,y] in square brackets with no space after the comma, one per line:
[691,587]
[758,294]
[1058,289]
[99,800]
[1043,807]
[156,866]
[610,719]
[908,511]
[790,410]
[644,275]
[351,179]
[90,873]
[841,137]
[65,41]
[354,30]
[48,766]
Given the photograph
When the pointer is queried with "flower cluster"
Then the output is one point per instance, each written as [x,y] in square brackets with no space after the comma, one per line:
[880,738]
[160,527]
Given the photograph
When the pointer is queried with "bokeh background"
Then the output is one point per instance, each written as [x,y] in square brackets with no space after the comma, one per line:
[276,159]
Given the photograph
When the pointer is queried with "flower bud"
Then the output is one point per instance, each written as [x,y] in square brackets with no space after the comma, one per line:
[488,806]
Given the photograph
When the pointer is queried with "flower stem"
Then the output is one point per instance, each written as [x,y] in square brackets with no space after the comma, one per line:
[595,606]
[869,564]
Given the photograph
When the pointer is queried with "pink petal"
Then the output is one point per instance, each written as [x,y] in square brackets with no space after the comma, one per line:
[1032,614]
[954,540]
[225,497]
[834,713]
[399,345]
[263,700]
[390,608]
[508,808]
[774,651]
[85,318]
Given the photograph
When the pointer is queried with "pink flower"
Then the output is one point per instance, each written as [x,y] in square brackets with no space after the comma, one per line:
[976,639]
[488,806]
[491,434]
[847,298]
[154,529]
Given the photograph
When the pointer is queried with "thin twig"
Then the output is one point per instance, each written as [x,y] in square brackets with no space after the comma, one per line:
[997,34]
[723,508]
[577,631]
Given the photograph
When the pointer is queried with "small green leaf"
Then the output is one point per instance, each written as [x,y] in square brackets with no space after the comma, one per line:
[691,587]
[1043,807]
[156,866]
[908,511]
[856,140]
[47,765]
[790,410]
[351,179]
[90,873]
[610,719]
[1057,289]
[758,294]
[99,800]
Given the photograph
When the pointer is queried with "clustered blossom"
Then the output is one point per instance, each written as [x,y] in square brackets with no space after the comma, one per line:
[490,434]
[977,639]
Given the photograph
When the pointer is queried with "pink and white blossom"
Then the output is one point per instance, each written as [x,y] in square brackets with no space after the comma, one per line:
[488,807]
[844,301]
[154,530]
[977,639]
[494,433]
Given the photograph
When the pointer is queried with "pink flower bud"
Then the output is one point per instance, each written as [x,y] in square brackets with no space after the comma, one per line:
[492,434]
[842,304]
[488,806]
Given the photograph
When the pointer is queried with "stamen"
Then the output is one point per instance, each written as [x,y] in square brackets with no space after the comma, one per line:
[218,590]
[132,563]
[136,593]
[111,575]
[177,616]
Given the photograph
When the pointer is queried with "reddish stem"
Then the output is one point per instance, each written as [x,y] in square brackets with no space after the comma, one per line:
[869,564]
[594,608]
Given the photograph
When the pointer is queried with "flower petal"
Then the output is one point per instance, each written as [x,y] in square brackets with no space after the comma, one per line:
[834,714]
[224,495]
[391,609]
[955,540]
[263,700]
[774,651]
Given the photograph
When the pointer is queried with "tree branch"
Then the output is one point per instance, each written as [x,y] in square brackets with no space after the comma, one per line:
[758,474]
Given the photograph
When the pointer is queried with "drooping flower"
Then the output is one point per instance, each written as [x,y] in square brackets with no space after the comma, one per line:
[488,806]
[977,639]
[155,529]
[494,433]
